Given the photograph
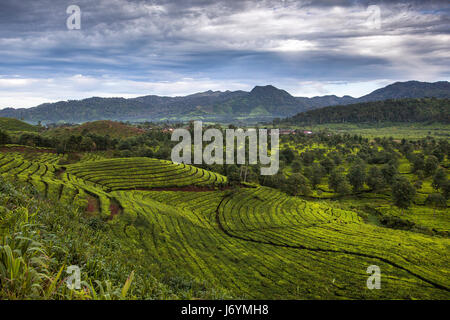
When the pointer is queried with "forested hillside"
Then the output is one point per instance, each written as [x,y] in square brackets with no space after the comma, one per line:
[400,110]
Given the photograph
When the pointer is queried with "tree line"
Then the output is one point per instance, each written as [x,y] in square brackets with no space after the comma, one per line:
[397,110]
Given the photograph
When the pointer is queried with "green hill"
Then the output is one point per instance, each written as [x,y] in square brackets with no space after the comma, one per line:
[11,124]
[423,110]
[102,128]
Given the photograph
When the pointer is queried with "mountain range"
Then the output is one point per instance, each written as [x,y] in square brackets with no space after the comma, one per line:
[263,103]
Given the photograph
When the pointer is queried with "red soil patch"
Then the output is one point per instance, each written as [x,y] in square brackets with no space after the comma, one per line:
[59,172]
[115,209]
[92,205]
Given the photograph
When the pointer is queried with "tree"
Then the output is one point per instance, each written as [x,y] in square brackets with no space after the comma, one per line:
[275,181]
[87,144]
[296,166]
[403,193]
[233,175]
[420,174]
[431,165]
[328,164]
[338,183]
[124,145]
[439,179]
[251,176]
[436,200]
[389,172]
[418,184]
[307,157]
[357,177]
[406,148]
[375,179]
[73,143]
[60,148]
[288,155]
[439,154]
[4,137]
[335,156]
[418,162]
[297,184]
[446,190]
[314,174]
[343,188]
[335,179]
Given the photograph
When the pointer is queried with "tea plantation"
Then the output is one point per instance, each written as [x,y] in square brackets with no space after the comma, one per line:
[245,241]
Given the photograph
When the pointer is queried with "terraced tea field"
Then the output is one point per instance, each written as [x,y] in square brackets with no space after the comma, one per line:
[253,242]
[135,173]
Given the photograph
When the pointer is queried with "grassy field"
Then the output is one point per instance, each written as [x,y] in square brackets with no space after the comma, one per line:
[246,242]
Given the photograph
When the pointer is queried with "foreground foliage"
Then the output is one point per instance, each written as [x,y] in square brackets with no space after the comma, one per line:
[39,239]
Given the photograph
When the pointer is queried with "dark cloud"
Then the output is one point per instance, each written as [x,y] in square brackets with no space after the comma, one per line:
[229,40]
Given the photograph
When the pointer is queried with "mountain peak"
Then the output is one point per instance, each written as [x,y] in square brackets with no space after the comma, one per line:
[205,94]
[407,89]
[269,91]
[267,88]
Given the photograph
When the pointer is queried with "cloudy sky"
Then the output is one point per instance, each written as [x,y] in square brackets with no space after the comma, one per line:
[133,48]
